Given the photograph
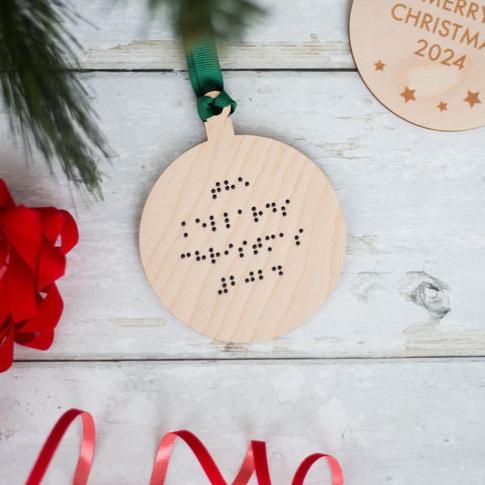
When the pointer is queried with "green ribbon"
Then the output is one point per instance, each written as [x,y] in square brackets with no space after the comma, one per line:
[206,76]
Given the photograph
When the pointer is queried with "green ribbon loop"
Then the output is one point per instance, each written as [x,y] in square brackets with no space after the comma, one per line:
[206,76]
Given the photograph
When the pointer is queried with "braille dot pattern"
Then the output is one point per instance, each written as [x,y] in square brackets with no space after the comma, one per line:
[263,244]
[226,186]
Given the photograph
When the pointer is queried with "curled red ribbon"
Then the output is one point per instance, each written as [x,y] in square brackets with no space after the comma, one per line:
[33,247]
[255,461]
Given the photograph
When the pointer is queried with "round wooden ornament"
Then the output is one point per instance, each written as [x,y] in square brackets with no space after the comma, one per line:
[423,59]
[242,237]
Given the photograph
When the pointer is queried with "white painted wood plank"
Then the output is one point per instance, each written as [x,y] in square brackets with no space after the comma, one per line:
[304,34]
[414,202]
[397,422]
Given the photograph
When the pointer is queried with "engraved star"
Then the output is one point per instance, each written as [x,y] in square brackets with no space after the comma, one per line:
[408,94]
[472,99]
[379,65]
[443,106]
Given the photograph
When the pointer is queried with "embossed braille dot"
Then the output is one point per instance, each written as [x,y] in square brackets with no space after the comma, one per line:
[211,218]
[228,226]
[273,204]
[217,184]
[284,214]
[214,197]
[247,280]
[301,231]
[197,258]
[226,252]
[256,220]
[246,184]
[231,245]
[185,234]
[244,243]
[218,254]
[188,255]
[239,211]
[287,201]
[275,210]
[214,229]
[239,179]
[273,268]
[204,257]
[281,234]
[255,252]
[298,243]
[297,237]
[253,279]
[197,253]
[251,273]
[197,220]
[281,273]
[182,256]
[213,191]
[241,255]
[260,213]
[260,271]
[183,223]
[233,186]
[261,277]
[280,267]
[226,182]
[225,290]
[273,236]
[211,250]
[213,261]
[204,224]
[220,292]
[270,249]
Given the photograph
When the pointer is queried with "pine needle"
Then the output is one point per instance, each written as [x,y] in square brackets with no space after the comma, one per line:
[195,19]
[46,103]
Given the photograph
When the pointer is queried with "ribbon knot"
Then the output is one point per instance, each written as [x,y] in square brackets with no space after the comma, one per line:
[206,77]
[208,106]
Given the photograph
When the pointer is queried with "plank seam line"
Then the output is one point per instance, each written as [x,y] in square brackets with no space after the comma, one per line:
[254,359]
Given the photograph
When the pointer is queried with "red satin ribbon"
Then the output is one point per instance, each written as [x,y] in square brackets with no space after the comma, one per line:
[255,461]
[86,452]
[33,247]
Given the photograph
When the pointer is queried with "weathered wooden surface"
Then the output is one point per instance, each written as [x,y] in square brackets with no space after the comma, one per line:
[398,422]
[412,285]
[413,200]
[308,35]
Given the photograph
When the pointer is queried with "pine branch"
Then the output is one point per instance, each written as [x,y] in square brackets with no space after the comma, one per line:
[195,19]
[46,103]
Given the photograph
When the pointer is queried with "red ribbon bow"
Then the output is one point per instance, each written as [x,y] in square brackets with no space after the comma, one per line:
[256,460]
[33,245]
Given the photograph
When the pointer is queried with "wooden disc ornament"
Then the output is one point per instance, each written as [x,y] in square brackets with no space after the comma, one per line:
[423,59]
[242,237]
